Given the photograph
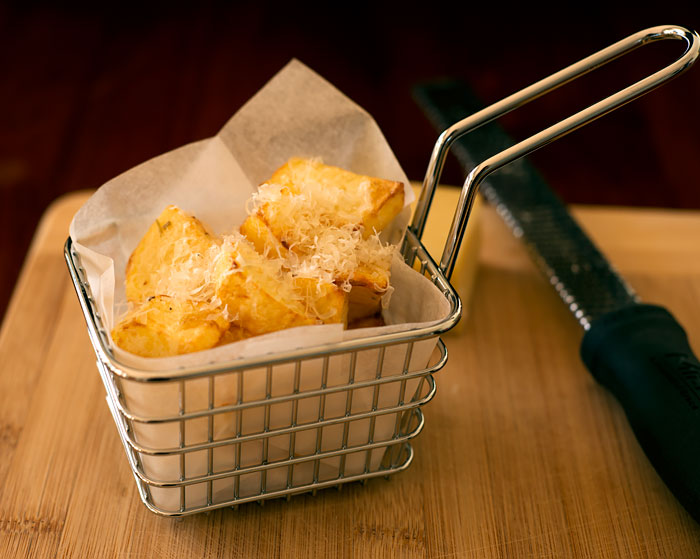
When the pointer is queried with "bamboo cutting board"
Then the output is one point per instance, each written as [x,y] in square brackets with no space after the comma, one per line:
[522,455]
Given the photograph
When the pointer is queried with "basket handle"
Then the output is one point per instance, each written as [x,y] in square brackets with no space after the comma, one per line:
[546,136]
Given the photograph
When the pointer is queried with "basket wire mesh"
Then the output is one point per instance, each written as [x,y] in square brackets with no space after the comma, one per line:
[256,429]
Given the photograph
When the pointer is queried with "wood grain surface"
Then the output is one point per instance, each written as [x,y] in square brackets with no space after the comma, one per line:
[522,455]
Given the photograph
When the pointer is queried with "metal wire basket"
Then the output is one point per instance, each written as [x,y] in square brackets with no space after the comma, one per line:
[288,423]
[298,421]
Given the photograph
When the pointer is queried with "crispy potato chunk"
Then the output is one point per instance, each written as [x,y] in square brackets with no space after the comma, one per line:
[369,276]
[259,301]
[234,333]
[255,299]
[162,326]
[367,322]
[377,201]
[175,239]
[367,202]
[325,300]
[363,303]
[368,283]
[259,233]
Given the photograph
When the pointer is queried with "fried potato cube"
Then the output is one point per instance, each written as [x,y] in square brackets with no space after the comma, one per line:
[368,285]
[325,300]
[259,233]
[363,303]
[175,239]
[234,333]
[367,322]
[377,201]
[254,300]
[372,277]
[162,326]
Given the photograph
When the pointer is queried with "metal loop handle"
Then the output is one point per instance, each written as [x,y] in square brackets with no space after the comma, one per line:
[554,132]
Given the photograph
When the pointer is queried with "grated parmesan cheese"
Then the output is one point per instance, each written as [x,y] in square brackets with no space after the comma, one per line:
[320,245]
[320,224]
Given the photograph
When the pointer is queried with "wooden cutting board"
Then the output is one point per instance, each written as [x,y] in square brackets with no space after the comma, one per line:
[522,455]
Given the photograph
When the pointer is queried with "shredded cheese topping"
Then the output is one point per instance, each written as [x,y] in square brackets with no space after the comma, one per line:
[189,274]
[320,226]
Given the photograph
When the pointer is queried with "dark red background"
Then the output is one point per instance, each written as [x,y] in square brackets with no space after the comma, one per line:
[89,90]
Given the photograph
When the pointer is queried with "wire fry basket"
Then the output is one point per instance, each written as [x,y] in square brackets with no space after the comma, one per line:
[291,422]
[270,427]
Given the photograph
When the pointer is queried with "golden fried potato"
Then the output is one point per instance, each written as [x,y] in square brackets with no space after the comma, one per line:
[372,277]
[234,333]
[256,300]
[174,240]
[376,201]
[324,300]
[259,233]
[368,285]
[363,303]
[162,326]
[367,322]
[367,202]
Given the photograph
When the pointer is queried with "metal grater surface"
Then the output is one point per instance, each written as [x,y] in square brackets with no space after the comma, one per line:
[584,279]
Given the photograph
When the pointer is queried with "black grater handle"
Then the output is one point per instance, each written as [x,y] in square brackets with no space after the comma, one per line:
[641,354]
